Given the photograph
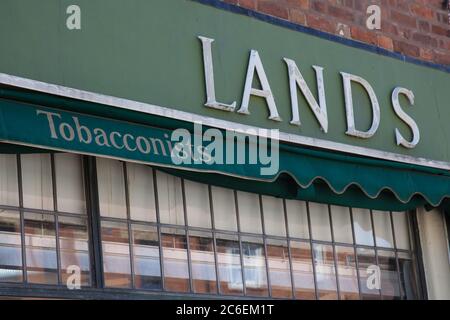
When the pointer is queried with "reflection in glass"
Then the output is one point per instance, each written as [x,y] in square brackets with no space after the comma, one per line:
[10,247]
[40,246]
[197,204]
[254,266]
[297,216]
[362,224]
[390,288]
[383,229]
[176,270]
[249,212]
[401,230]
[116,254]
[111,188]
[408,278]
[170,199]
[224,208]
[141,192]
[342,224]
[229,264]
[203,263]
[347,273]
[320,221]
[273,210]
[368,274]
[279,268]
[37,185]
[147,268]
[9,190]
[325,272]
[69,183]
[302,270]
[74,246]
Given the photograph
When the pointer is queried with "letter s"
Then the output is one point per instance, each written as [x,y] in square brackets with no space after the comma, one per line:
[406,118]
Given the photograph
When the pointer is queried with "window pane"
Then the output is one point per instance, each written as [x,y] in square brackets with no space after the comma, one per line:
[197,204]
[147,267]
[401,230]
[320,221]
[302,269]
[201,245]
[170,199]
[229,264]
[69,183]
[111,188]
[254,267]
[37,181]
[408,276]
[368,274]
[74,246]
[249,212]
[383,229]
[363,227]
[9,191]
[297,216]
[40,245]
[116,254]
[325,272]
[224,208]
[347,273]
[342,224]
[176,270]
[390,288]
[279,268]
[141,192]
[274,216]
[10,247]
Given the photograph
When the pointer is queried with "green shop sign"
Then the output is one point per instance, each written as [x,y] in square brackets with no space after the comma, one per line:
[189,61]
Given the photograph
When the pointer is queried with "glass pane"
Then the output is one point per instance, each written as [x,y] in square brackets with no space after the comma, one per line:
[37,181]
[325,272]
[10,247]
[383,229]
[369,274]
[201,245]
[147,267]
[363,227]
[141,192]
[197,204]
[224,208]
[297,216]
[111,188]
[176,270]
[320,221]
[342,224]
[249,212]
[170,199]
[390,287]
[9,190]
[40,245]
[229,264]
[254,267]
[302,270]
[116,254]
[408,276]
[401,230]
[74,247]
[347,273]
[274,216]
[69,183]
[279,268]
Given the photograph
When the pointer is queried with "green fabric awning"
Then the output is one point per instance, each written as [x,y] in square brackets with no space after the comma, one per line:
[304,173]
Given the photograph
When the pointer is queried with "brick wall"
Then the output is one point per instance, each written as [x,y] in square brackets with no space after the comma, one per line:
[417,28]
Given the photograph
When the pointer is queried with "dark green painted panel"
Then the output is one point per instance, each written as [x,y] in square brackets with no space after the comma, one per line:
[148,51]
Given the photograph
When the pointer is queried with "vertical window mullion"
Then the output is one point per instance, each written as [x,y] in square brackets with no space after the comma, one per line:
[130,231]
[291,270]
[334,254]
[261,209]
[356,253]
[22,219]
[312,251]
[213,226]
[376,249]
[186,228]
[55,208]
[241,253]
[158,222]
